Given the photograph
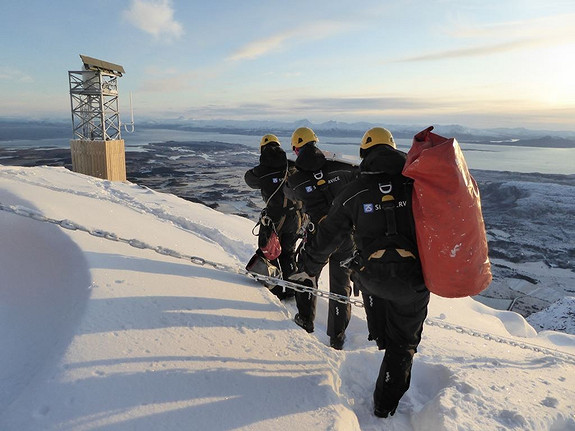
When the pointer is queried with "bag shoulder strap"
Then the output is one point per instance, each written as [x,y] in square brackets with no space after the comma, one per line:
[390,202]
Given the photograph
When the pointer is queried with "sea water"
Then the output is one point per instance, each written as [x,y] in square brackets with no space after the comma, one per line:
[478,156]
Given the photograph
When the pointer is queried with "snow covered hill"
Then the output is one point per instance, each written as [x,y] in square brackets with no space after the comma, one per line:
[100,334]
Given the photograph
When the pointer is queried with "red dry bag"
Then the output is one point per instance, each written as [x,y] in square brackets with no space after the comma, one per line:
[449,224]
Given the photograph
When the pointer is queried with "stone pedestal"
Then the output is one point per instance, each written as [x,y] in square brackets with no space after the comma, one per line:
[101,159]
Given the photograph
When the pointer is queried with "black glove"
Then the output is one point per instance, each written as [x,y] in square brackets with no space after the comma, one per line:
[304,278]
[307,264]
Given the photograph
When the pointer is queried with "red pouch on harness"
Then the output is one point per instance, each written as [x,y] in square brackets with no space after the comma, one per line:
[269,244]
[449,223]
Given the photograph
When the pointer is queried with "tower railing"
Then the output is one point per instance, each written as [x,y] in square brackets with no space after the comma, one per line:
[94,104]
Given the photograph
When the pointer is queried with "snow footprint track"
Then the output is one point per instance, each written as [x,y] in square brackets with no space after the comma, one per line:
[112,192]
[41,327]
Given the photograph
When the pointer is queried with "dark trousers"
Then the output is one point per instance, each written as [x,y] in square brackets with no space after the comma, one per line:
[288,240]
[339,314]
[397,328]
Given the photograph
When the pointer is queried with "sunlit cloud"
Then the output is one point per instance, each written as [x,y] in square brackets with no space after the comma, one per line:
[317,107]
[275,43]
[175,81]
[346,104]
[472,51]
[388,110]
[239,111]
[155,17]
[261,47]
[14,75]
[167,84]
[555,27]
[504,37]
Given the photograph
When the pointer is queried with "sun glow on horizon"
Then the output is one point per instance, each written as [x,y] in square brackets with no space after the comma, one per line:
[558,75]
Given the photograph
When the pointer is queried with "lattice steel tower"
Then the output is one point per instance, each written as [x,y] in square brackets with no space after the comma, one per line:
[97,147]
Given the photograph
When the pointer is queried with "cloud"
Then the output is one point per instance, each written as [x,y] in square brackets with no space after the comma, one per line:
[239,111]
[261,47]
[305,33]
[387,110]
[345,104]
[14,75]
[167,84]
[472,51]
[173,80]
[316,106]
[554,27]
[504,37]
[155,17]
[387,104]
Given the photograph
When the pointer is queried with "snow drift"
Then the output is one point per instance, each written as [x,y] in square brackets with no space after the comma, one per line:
[98,334]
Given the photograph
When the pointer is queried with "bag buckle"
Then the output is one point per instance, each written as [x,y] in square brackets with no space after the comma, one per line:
[354,262]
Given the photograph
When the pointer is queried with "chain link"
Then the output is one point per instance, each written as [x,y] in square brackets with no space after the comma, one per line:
[196,260]
[303,289]
[566,357]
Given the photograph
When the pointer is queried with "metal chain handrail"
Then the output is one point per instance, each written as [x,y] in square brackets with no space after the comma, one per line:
[567,357]
[196,260]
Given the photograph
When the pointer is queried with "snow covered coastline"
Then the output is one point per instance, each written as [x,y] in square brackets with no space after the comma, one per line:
[103,335]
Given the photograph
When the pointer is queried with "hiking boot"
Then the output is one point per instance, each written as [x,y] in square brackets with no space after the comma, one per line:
[304,323]
[383,413]
[337,342]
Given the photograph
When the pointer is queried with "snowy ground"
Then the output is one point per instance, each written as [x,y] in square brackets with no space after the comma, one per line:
[530,217]
[102,335]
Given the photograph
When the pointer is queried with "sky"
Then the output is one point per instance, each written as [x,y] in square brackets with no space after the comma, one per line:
[98,334]
[479,63]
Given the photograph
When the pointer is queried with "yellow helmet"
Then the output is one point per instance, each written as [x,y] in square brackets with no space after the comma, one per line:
[302,136]
[268,139]
[377,136]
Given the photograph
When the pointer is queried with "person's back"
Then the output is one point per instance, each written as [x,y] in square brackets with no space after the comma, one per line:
[269,177]
[316,183]
[377,208]
[283,213]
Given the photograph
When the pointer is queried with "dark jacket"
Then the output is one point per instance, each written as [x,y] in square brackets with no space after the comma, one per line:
[269,177]
[317,181]
[359,209]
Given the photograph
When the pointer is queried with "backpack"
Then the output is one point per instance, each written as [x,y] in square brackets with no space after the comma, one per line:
[447,211]
[389,266]
[260,265]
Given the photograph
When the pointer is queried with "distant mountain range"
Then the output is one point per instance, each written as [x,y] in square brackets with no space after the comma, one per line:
[17,129]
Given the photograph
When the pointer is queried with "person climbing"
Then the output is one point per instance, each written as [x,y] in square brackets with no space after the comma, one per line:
[280,214]
[376,207]
[316,182]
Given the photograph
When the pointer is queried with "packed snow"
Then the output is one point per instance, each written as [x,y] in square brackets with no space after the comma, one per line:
[100,334]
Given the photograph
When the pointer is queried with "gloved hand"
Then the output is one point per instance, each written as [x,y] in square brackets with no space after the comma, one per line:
[305,263]
[304,278]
